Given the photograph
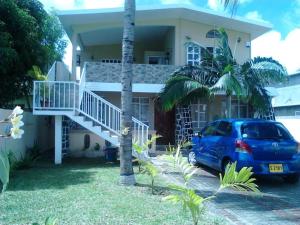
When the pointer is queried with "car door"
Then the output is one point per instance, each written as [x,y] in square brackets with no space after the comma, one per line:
[205,142]
[219,142]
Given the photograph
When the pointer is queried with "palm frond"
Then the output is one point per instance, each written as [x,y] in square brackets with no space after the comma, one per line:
[228,83]
[4,169]
[241,180]
[178,89]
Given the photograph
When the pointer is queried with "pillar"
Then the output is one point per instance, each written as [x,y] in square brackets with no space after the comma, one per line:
[74,53]
[58,140]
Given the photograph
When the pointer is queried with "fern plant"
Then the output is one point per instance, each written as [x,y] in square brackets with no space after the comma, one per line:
[187,196]
[4,169]
[152,171]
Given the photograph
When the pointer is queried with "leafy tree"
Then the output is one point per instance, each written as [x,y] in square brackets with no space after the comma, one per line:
[29,37]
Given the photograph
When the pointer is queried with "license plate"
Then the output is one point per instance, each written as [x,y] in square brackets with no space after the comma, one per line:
[275,168]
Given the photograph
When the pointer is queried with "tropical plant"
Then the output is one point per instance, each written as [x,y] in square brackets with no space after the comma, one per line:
[221,72]
[188,197]
[4,170]
[141,151]
[126,168]
[14,120]
[151,170]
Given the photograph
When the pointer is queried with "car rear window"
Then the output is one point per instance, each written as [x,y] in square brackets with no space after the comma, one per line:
[264,131]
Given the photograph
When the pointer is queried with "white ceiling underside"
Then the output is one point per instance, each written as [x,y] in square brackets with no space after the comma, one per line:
[74,18]
[114,35]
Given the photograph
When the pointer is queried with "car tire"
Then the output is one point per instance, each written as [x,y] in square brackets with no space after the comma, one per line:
[291,178]
[192,159]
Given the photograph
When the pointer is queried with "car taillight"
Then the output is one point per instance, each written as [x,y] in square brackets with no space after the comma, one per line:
[241,146]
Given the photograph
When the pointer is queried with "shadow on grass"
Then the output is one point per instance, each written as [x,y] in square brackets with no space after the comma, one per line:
[158,190]
[45,175]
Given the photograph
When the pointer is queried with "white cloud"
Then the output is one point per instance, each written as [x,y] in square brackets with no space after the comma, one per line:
[255,15]
[169,2]
[85,4]
[286,50]
[217,4]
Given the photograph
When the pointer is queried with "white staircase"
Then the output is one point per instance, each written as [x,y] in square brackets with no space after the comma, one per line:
[92,112]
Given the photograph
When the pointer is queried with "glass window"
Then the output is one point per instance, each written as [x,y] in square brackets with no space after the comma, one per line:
[210,130]
[141,109]
[264,131]
[224,128]
[213,34]
[198,116]
[193,54]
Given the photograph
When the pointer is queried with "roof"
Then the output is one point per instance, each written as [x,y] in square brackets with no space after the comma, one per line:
[70,18]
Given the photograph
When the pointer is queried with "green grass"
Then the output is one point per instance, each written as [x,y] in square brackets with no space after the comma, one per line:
[85,192]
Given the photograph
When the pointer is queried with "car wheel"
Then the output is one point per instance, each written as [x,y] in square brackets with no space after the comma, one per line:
[291,178]
[192,159]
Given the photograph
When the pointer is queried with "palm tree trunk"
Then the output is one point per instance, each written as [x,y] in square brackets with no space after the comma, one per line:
[228,105]
[126,169]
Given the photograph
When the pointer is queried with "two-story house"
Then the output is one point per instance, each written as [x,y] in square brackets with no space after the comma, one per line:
[166,37]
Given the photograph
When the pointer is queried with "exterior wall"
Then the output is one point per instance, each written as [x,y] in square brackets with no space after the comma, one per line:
[292,123]
[142,73]
[197,33]
[38,129]
[286,111]
[98,52]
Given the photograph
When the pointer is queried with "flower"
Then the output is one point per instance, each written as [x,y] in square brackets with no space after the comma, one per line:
[17,110]
[16,121]
[16,132]
[125,131]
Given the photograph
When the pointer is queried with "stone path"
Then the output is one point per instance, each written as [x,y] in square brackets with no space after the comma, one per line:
[278,204]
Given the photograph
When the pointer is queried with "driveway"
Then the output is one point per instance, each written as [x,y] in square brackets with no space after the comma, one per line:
[279,202]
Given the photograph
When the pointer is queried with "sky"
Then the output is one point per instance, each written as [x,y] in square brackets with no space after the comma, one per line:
[282,43]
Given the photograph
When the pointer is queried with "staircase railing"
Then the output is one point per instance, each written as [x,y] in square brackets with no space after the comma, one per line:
[71,96]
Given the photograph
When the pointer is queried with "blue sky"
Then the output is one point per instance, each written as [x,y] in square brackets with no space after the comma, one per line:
[282,43]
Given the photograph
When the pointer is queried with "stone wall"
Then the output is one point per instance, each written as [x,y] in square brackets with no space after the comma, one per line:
[184,129]
[142,73]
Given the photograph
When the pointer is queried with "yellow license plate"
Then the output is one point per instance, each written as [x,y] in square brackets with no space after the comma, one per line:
[275,168]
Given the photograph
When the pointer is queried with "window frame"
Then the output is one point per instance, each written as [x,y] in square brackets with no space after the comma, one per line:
[193,61]
[140,103]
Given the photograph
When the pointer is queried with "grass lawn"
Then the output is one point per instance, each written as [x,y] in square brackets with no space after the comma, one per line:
[85,192]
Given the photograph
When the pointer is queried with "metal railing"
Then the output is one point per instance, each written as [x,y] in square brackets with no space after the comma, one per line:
[71,96]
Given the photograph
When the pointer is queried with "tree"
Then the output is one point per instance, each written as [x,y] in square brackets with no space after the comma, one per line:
[222,72]
[126,169]
[28,37]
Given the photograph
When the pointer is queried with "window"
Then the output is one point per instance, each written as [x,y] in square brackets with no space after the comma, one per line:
[213,34]
[198,116]
[193,54]
[239,109]
[209,130]
[265,131]
[141,109]
[224,128]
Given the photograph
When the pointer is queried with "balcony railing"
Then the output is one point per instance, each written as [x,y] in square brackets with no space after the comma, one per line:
[142,73]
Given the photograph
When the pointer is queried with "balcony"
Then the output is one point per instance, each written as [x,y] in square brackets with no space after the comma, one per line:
[142,73]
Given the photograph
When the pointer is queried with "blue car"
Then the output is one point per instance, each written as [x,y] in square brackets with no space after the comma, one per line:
[266,146]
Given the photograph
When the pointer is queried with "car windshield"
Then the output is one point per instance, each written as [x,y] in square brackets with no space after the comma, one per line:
[264,131]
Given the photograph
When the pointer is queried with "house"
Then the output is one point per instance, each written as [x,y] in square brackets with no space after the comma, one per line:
[286,104]
[166,37]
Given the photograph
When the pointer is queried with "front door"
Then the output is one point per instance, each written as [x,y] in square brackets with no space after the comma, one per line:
[164,126]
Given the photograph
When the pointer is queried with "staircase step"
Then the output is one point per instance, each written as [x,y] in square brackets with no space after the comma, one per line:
[98,128]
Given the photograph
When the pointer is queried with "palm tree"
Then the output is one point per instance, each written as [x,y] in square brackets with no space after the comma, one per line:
[223,73]
[126,169]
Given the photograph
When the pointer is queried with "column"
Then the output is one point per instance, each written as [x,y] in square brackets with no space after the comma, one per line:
[58,140]
[74,53]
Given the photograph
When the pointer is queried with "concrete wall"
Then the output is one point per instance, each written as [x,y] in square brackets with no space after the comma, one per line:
[37,129]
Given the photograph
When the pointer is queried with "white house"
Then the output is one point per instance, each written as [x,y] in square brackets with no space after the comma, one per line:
[166,37]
